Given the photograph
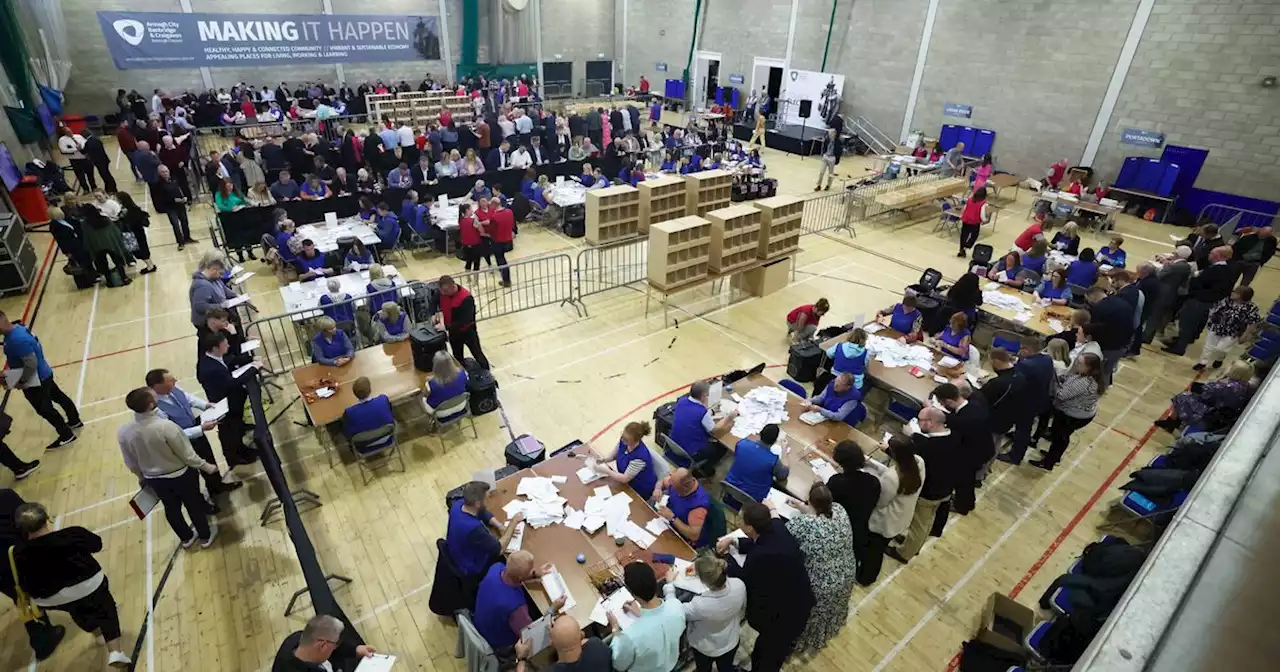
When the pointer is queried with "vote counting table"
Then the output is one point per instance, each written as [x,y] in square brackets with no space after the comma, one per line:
[1033,317]
[1107,210]
[301,295]
[898,378]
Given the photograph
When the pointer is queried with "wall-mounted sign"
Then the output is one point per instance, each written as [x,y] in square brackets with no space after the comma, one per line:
[176,40]
[559,57]
[1142,138]
[660,66]
[957,110]
[736,79]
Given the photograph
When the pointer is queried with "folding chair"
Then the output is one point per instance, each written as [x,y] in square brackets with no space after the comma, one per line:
[1006,340]
[451,413]
[734,497]
[1028,277]
[982,254]
[793,387]
[678,455]
[948,216]
[372,445]
[1077,296]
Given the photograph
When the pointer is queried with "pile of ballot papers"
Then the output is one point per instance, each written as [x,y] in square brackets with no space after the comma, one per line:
[894,353]
[544,507]
[991,295]
[761,406]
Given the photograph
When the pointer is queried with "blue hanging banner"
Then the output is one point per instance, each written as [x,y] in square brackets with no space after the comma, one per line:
[660,66]
[139,40]
[957,110]
[1142,138]
[737,79]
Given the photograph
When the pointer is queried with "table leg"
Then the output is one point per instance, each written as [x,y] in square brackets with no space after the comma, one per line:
[648,289]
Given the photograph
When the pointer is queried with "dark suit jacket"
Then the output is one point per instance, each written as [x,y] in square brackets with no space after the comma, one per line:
[420,178]
[1150,288]
[1005,399]
[635,117]
[494,160]
[943,463]
[1213,284]
[577,125]
[615,120]
[779,596]
[1037,382]
[973,426]
[217,381]
[1117,313]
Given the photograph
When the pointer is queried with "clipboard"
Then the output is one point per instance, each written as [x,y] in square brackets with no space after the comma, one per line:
[143,502]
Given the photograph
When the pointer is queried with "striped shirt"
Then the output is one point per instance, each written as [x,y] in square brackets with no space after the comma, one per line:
[1077,396]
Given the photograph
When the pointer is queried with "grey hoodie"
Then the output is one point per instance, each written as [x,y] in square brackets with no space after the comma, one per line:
[206,294]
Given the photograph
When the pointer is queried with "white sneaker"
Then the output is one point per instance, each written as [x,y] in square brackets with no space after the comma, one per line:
[119,659]
[186,543]
[213,534]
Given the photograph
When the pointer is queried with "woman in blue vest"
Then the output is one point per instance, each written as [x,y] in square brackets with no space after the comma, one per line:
[634,462]
[336,304]
[905,318]
[1083,271]
[387,225]
[954,340]
[851,357]
[1036,257]
[669,163]
[1112,254]
[1054,288]
[390,325]
[755,466]
[447,382]
[694,430]
[688,506]
[367,212]
[358,257]
[1006,270]
[380,288]
[841,401]
[331,345]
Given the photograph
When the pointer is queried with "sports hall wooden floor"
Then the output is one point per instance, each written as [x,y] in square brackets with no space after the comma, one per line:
[563,378]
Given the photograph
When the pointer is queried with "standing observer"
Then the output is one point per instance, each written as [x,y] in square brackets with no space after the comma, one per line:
[457,317]
[159,454]
[22,350]
[42,635]
[182,409]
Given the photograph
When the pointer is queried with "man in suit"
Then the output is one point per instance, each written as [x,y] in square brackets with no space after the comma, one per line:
[1202,244]
[1118,313]
[351,154]
[234,173]
[1174,278]
[537,153]
[213,371]
[1211,285]
[1149,286]
[1005,399]
[1038,380]
[969,419]
[500,158]
[183,409]
[779,595]
[1251,251]
[97,156]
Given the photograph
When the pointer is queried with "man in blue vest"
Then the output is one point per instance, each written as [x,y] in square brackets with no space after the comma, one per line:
[183,409]
[755,466]
[22,350]
[694,429]
[501,608]
[841,401]
[468,534]
[688,506]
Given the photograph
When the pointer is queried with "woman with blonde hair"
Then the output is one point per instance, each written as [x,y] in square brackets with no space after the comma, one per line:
[390,325]
[1067,241]
[331,345]
[713,620]
[631,462]
[380,288]
[471,165]
[448,380]
[259,196]
[1227,395]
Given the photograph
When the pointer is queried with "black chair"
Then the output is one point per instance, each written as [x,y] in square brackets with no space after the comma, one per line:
[982,254]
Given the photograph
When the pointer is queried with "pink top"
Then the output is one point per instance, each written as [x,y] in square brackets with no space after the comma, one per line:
[606,130]
[982,173]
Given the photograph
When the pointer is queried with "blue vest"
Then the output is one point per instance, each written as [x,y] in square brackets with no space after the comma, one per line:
[388,229]
[439,393]
[1048,291]
[832,401]
[645,481]
[177,407]
[311,263]
[682,506]
[339,313]
[372,413]
[1117,256]
[282,246]
[1034,263]
[687,430]
[380,297]
[495,602]
[395,328]
[366,259]
[953,340]
[471,560]
[338,347]
[902,321]
[752,469]
[851,364]
[1082,273]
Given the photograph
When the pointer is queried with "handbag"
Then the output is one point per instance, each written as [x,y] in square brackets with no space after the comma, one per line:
[130,241]
[26,608]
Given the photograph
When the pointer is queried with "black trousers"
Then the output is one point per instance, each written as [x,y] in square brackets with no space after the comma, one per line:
[95,612]
[231,435]
[1191,322]
[869,566]
[104,169]
[43,398]
[83,168]
[968,236]
[39,631]
[177,214]
[177,494]
[10,461]
[1060,437]
[1022,435]
[1248,270]
[771,650]
[500,251]
[472,254]
[103,260]
[202,447]
[471,339]
[723,662]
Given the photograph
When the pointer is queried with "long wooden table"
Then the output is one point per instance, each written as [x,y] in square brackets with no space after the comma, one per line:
[1040,315]
[898,378]
[389,367]
[560,545]
[821,437]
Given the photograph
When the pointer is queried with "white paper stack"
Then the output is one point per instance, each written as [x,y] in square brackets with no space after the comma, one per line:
[517,538]
[822,469]
[1055,325]
[555,586]
[893,353]
[588,475]
[760,407]
[1002,300]
[656,526]
[638,534]
[215,412]
[545,505]
[740,558]
[812,418]
[780,504]
[614,605]
[686,579]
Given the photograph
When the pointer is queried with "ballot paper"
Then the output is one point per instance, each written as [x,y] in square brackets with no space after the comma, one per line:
[559,480]
[243,370]
[740,558]
[592,524]
[545,506]
[12,376]
[538,633]
[812,418]
[714,392]
[215,412]
[1023,316]
[638,534]
[614,604]
[1056,325]
[780,503]
[656,526]
[686,579]
[555,586]
[240,279]
[894,353]
[822,469]
[588,475]
[873,328]
[236,269]
[761,406]
[517,538]
[330,219]
[324,392]
[236,301]
[948,362]
[1002,300]
[604,491]
[514,508]
[664,500]
[378,662]
[574,518]
[250,345]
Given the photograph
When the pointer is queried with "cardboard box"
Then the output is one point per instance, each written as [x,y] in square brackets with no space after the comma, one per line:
[1005,623]
[764,280]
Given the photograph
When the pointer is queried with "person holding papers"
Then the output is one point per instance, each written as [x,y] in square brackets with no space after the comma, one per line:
[183,410]
[331,345]
[213,371]
[220,320]
[22,351]
[693,427]
[317,647]
[841,401]
[310,262]
[1054,288]
[651,643]
[940,450]
[851,357]
[502,610]
[714,618]
[779,595]
[688,506]
[755,466]
[905,318]
[358,257]
[1112,254]
[573,652]
[469,536]
[954,339]
[208,289]
[1006,270]
[159,454]
[634,462]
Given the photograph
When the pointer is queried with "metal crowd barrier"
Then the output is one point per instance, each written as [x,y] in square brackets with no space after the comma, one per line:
[600,269]
[836,211]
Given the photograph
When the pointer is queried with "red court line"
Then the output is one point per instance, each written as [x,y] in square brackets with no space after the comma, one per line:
[1126,435]
[121,352]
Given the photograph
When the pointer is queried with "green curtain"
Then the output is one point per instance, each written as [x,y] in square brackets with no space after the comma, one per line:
[14,59]
[693,42]
[830,28]
[470,32]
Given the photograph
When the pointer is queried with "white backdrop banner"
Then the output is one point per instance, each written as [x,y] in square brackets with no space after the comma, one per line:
[823,89]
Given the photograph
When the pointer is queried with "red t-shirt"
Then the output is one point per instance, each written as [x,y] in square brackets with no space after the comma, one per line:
[246,106]
[420,141]
[1027,238]
[504,224]
[1074,188]
[468,233]
[808,310]
[446,117]
[644,86]
[522,90]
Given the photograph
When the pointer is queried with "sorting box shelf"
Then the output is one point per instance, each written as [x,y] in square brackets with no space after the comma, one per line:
[613,213]
[661,199]
[708,190]
[735,237]
[780,218]
[679,252]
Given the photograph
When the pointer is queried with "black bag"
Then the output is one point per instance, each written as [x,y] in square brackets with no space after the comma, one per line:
[517,458]
[425,342]
[575,221]
[85,279]
[802,365]
[663,417]
[483,388]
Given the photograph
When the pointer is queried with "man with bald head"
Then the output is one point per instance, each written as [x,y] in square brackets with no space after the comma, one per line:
[687,506]
[573,652]
[501,609]
[944,466]
[1211,285]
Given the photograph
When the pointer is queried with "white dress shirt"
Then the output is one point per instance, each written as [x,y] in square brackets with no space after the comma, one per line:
[520,159]
[406,136]
[197,404]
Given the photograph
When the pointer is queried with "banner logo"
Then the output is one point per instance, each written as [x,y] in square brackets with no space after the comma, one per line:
[129,30]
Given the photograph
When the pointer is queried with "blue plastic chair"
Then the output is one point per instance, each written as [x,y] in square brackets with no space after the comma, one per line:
[1036,638]
[794,387]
